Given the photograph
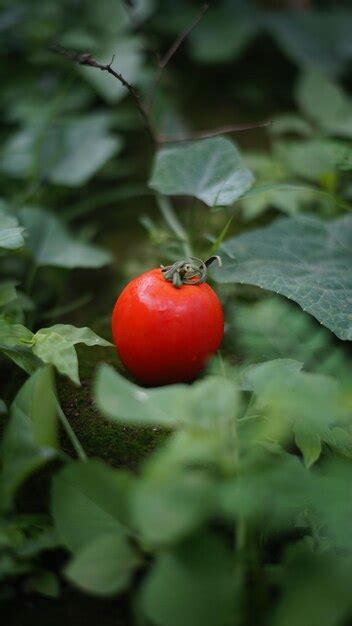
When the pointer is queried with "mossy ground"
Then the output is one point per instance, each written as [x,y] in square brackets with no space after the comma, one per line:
[118,445]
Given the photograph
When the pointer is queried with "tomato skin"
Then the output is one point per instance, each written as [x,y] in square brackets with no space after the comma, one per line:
[163,334]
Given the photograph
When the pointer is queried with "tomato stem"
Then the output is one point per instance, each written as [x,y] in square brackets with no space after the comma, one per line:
[190,271]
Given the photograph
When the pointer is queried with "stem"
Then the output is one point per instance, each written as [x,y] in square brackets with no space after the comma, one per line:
[240,534]
[212,132]
[170,217]
[172,50]
[88,60]
[218,241]
[71,434]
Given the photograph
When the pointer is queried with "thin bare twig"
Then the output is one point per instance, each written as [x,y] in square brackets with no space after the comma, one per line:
[214,132]
[87,59]
[162,63]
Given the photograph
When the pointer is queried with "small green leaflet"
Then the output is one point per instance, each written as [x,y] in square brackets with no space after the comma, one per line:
[212,170]
[11,233]
[55,345]
[303,258]
[7,292]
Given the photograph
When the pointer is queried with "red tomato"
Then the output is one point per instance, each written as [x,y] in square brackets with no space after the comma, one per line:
[163,334]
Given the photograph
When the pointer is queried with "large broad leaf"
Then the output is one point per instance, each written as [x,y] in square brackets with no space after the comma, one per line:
[325,103]
[51,244]
[104,566]
[303,258]
[193,585]
[211,170]
[55,345]
[30,439]
[89,500]
[11,233]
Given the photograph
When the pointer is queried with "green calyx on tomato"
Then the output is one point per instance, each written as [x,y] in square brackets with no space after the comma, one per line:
[191,271]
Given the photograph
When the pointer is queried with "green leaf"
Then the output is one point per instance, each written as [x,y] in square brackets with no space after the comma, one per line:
[206,402]
[51,244]
[11,234]
[274,328]
[325,103]
[8,292]
[166,507]
[312,159]
[69,153]
[30,438]
[192,585]
[290,199]
[313,39]
[104,566]
[12,335]
[126,402]
[16,343]
[89,500]
[55,345]
[86,146]
[220,38]
[332,503]
[315,589]
[256,377]
[211,170]
[302,258]
[309,405]
[270,491]
[309,443]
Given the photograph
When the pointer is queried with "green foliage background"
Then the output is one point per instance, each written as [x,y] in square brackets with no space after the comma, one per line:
[222,502]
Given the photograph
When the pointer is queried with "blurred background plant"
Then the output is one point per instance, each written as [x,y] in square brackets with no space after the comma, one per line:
[242,513]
